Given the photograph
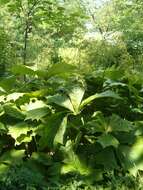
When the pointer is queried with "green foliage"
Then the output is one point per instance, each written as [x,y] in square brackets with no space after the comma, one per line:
[87,129]
[81,117]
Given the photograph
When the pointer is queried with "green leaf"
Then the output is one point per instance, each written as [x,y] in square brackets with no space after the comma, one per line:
[8,83]
[60,69]
[71,101]
[116,123]
[108,140]
[42,158]
[12,157]
[14,96]
[22,70]
[113,123]
[3,129]
[33,104]
[13,111]
[52,131]
[19,132]
[37,114]
[59,138]
[72,163]
[107,158]
[97,125]
[61,100]
[106,94]
[76,94]
[132,156]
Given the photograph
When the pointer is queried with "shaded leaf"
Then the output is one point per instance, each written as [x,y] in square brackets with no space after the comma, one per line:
[59,138]
[108,140]
[48,131]
[107,158]
[13,111]
[106,94]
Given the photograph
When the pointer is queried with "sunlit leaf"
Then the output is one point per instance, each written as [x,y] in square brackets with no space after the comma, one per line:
[16,131]
[61,100]
[76,94]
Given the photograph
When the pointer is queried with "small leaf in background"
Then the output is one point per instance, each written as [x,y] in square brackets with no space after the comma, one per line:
[60,68]
[108,140]
[116,123]
[22,70]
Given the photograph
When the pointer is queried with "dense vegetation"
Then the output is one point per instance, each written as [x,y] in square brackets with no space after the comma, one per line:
[71,94]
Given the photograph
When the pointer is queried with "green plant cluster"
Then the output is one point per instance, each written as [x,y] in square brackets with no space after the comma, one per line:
[62,123]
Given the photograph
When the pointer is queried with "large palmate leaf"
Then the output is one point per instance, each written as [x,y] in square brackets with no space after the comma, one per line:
[106,94]
[70,101]
[61,100]
[37,114]
[110,124]
[108,140]
[52,131]
[76,95]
